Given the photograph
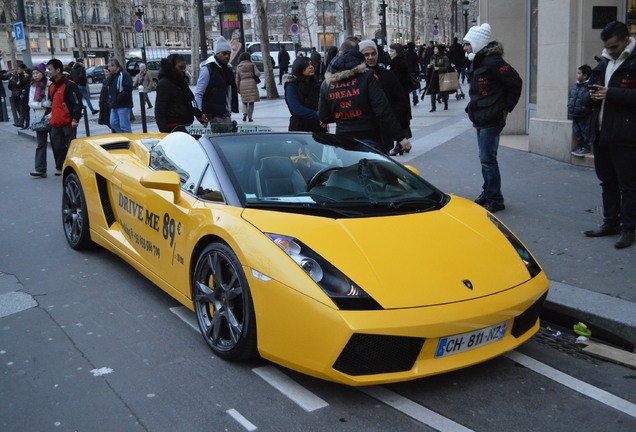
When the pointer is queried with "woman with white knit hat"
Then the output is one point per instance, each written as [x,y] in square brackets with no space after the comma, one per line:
[495,88]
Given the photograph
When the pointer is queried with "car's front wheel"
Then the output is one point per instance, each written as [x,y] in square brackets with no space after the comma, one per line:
[75,214]
[223,303]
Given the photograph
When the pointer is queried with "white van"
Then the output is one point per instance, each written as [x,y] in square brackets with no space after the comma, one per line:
[274,48]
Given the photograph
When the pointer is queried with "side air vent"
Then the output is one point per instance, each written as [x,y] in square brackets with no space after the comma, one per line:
[124,145]
[102,187]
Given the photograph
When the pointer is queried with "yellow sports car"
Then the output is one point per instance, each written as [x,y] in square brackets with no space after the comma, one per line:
[313,251]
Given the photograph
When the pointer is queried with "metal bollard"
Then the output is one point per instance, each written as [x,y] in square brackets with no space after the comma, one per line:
[4,115]
[85,115]
[142,101]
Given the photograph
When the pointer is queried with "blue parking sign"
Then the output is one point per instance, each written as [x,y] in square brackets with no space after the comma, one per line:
[20,41]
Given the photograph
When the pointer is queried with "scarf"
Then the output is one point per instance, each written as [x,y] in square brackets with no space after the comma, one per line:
[40,95]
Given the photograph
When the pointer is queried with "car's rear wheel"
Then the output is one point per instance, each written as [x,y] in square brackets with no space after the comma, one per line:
[223,303]
[75,214]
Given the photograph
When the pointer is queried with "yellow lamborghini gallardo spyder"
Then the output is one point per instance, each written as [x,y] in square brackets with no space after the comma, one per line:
[283,244]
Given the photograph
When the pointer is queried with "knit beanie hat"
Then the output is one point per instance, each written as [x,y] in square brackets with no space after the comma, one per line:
[222,45]
[478,37]
[368,43]
[41,68]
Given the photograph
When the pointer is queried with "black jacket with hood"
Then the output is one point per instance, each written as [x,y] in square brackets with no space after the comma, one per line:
[351,96]
[495,88]
[618,127]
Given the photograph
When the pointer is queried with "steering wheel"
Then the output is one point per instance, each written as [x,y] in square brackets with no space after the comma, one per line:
[316,178]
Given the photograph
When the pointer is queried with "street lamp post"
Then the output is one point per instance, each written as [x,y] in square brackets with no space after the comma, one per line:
[48,23]
[465,7]
[382,17]
[294,9]
[139,11]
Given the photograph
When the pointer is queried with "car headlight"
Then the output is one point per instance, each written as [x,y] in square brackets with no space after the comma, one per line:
[345,293]
[530,263]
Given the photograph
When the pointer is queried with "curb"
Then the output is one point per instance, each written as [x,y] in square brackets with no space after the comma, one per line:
[608,317]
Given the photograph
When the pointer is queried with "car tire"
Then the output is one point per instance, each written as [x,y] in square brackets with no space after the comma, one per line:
[75,214]
[89,80]
[223,303]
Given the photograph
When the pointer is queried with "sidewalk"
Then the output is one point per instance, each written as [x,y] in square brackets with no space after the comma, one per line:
[548,205]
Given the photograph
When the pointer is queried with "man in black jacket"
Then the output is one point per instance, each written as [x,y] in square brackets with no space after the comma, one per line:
[78,75]
[352,97]
[120,99]
[614,129]
[495,88]
[283,63]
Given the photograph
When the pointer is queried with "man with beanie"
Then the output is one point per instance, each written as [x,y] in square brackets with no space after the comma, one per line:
[216,94]
[351,96]
[614,133]
[495,88]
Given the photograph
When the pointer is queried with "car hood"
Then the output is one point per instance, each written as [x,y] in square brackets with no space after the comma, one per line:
[449,255]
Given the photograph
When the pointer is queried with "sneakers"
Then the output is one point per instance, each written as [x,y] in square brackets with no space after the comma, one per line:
[38,174]
[581,151]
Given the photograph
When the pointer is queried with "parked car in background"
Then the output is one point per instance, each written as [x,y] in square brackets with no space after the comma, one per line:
[95,74]
[257,59]
[132,67]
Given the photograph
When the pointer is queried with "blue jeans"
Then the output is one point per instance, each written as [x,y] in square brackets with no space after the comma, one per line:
[120,120]
[87,97]
[488,141]
[580,127]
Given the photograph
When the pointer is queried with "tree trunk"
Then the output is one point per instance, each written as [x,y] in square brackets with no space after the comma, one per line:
[413,18]
[270,79]
[118,45]
[196,40]
[79,29]
[348,18]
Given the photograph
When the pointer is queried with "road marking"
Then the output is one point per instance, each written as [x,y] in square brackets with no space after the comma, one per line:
[187,316]
[242,420]
[414,410]
[574,383]
[290,388]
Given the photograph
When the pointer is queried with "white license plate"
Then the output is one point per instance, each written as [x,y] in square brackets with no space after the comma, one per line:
[467,341]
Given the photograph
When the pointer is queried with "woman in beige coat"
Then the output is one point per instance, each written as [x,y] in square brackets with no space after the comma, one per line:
[246,83]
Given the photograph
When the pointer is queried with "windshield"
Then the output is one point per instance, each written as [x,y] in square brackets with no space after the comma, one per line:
[322,174]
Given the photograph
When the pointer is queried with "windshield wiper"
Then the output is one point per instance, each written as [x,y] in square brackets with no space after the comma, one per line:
[323,209]
[415,202]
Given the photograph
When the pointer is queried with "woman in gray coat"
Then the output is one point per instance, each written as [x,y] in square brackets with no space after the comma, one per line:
[246,71]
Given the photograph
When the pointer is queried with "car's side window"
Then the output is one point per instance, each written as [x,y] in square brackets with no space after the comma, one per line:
[181,153]
[210,189]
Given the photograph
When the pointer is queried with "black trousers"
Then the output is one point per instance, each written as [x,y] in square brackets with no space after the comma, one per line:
[616,169]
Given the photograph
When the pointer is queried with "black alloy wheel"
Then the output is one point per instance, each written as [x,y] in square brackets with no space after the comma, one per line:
[223,303]
[75,214]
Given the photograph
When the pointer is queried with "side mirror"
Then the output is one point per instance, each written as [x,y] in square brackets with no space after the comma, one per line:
[413,169]
[163,180]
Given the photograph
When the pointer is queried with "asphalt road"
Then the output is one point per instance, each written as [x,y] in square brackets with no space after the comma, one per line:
[91,345]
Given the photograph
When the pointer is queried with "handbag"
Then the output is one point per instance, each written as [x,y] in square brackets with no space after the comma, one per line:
[415,83]
[448,82]
[42,125]
[257,80]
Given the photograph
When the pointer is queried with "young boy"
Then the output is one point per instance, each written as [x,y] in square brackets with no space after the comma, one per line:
[580,108]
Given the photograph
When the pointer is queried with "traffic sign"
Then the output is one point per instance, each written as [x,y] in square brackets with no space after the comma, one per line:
[138,26]
[294,28]
[20,41]
[435,32]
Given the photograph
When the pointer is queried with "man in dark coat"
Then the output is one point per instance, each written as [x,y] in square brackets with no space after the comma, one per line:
[495,88]
[352,97]
[120,97]
[457,57]
[78,75]
[614,129]
[413,65]
[283,63]
[398,100]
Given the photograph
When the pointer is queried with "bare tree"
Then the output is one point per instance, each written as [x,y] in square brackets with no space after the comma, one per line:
[79,28]
[270,79]
[118,45]
[10,13]
[196,40]
[346,5]
[413,18]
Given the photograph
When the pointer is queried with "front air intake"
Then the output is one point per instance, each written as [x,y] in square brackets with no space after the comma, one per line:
[368,354]
[527,319]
